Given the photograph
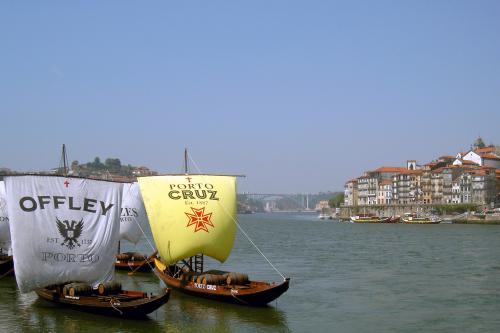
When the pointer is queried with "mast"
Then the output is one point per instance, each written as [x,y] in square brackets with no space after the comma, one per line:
[64,161]
[197,260]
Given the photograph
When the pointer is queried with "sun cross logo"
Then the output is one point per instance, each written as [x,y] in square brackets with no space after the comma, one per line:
[70,232]
[199,219]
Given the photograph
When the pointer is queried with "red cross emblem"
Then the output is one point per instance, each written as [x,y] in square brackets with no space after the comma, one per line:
[199,219]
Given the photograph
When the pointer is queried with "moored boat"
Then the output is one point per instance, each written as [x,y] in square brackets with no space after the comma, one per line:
[133,224]
[120,303]
[413,218]
[192,215]
[370,219]
[74,227]
[216,286]
[394,219]
[6,265]
[133,261]
[6,261]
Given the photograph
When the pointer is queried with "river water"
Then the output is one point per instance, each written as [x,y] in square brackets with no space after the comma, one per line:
[344,278]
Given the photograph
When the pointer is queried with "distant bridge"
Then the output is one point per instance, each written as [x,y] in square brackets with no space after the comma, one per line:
[302,200]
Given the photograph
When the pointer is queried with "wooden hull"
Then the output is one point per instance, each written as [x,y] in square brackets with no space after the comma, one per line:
[420,221]
[256,293]
[133,265]
[372,220]
[125,304]
[7,266]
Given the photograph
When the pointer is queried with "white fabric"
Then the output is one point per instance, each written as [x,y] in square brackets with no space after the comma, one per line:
[62,229]
[4,222]
[133,216]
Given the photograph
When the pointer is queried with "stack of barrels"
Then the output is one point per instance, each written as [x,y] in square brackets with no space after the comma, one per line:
[109,288]
[132,256]
[77,289]
[232,278]
[236,279]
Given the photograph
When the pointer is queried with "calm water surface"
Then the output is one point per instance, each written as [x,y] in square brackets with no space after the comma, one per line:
[345,278]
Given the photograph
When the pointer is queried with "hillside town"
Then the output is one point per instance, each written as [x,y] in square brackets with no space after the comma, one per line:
[469,177]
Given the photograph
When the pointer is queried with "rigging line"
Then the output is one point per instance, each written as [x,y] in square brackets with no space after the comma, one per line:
[239,227]
[147,239]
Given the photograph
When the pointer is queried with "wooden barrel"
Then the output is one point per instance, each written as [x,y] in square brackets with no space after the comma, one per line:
[122,256]
[108,288]
[213,279]
[234,278]
[136,256]
[77,289]
[188,276]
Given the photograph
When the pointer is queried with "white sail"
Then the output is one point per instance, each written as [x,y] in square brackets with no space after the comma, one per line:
[4,222]
[62,229]
[133,218]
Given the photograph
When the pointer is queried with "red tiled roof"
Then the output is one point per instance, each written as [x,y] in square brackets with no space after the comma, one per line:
[490,156]
[468,162]
[484,150]
[389,169]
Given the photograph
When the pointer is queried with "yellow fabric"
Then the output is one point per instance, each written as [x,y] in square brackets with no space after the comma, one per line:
[191,214]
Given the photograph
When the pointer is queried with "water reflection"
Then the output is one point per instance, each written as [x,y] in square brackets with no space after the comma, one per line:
[218,316]
[28,313]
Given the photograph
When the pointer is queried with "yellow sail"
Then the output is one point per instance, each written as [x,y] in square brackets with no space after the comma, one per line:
[191,214]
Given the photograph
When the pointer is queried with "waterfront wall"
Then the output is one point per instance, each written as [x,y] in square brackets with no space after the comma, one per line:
[386,210]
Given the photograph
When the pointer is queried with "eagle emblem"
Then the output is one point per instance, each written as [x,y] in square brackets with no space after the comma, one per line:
[70,231]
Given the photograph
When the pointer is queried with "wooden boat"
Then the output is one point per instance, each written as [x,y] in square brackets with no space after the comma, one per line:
[6,265]
[6,261]
[123,303]
[199,213]
[413,218]
[133,222]
[370,219]
[132,261]
[74,226]
[253,293]
[394,219]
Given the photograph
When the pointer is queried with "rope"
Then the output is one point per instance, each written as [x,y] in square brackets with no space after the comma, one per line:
[237,298]
[240,228]
[111,299]
[144,234]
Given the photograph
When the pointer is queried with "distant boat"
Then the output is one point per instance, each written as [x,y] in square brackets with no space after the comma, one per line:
[414,218]
[370,219]
[394,219]
[68,255]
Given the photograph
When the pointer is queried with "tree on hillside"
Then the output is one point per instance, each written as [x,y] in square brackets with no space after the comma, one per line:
[96,165]
[479,143]
[113,165]
[336,200]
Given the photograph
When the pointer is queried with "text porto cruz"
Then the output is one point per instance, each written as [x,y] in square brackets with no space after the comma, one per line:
[192,191]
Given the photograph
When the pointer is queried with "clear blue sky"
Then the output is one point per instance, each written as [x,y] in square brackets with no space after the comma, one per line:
[299,96]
